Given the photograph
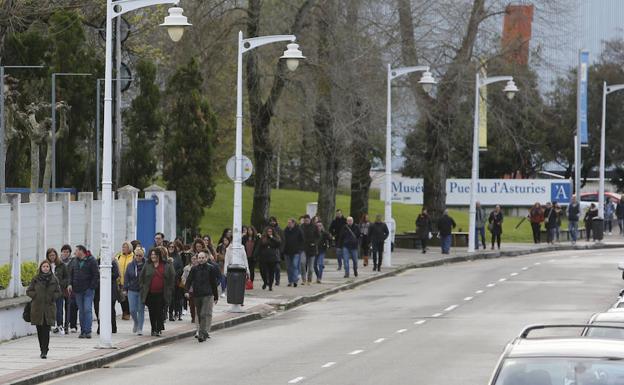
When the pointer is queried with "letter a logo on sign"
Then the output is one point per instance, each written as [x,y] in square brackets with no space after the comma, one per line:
[561,192]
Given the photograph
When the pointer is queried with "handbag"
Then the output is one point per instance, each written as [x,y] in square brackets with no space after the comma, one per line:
[26,313]
[249,284]
[490,226]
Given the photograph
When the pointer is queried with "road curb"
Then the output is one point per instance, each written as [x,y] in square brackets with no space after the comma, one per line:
[116,355]
[298,301]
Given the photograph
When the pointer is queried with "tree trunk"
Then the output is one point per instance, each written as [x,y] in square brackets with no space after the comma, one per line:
[261,112]
[34,165]
[360,178]
[47,173]
[324,117]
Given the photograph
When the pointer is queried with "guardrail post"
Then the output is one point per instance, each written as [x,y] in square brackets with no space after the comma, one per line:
[15,283]
[131,195]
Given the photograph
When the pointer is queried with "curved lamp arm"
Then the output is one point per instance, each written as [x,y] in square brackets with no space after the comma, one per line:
[123,6]
[494,79]
[614,88]
[396,72]
[255,42]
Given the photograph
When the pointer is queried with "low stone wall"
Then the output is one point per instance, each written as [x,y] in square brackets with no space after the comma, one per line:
[11,323]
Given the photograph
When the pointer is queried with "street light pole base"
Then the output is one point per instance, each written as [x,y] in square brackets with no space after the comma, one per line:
[236,309]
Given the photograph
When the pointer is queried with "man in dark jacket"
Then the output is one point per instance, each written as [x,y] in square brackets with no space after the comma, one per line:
[574,214]
[349,239]
[619,213]
[446,224]
[203,280]
[84,278]
[334,230]
[378,233]
[293,246]
[310,248]
[277,230]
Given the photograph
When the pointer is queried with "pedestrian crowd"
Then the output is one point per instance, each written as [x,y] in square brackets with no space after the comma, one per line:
[172,278]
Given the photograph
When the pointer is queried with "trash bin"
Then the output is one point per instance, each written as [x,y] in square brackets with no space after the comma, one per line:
[236,277]
[598,229]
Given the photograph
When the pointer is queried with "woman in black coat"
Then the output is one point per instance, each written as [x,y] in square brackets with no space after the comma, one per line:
[60,271]
[423,228]
[44,291]
[495,222]
[268,253]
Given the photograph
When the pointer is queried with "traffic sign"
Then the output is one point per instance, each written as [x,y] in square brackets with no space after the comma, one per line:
[246,172]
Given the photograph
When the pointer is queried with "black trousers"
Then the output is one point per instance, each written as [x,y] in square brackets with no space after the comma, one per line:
[96,306]
[71,317]
[270,271]
[155,305]
[125,307]
[377,253]
[496,237]
[423,244]
[175,307]
[536,227]
[43,334]
[252,268]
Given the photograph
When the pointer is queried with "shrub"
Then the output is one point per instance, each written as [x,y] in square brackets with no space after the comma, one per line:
[5,275]
[28,271]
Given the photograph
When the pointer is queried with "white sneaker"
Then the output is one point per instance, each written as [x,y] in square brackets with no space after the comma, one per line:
[61,331]
[183,312]
[222,295]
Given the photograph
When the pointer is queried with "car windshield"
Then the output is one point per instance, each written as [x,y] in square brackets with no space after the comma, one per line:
[606,332]
[561,371]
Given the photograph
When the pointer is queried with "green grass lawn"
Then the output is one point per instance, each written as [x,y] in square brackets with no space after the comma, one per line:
[292,203]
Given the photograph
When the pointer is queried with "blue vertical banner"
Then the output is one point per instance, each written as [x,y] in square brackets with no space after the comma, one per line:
[582,97]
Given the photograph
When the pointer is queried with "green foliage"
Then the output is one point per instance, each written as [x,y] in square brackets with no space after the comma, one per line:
[188,151]
[143,123]
[28,272]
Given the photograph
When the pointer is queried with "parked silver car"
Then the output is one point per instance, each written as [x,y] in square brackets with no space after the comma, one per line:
[557,360]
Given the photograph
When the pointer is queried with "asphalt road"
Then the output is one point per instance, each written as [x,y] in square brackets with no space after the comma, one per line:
[444,326]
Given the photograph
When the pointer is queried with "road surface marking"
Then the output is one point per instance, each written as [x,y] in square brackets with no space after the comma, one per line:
[329,364]
[451,308]
[491,284]
[479,292]
[537,263]
[502,280]
[353,353]
[420,322]
[401,331]
[436,315]
[468,299]
[525,268]
[513,274]
[295,380]
[552,260]
[379,340]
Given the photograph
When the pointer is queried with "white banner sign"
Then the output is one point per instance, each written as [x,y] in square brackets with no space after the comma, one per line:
[508,192]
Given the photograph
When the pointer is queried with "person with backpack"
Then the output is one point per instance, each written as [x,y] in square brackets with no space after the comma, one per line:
[44,291]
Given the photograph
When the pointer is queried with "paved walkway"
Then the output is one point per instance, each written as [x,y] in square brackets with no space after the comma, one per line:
[20,362]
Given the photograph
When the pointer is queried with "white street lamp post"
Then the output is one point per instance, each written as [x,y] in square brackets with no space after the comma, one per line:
[510,91]
[175,23]
[427,82]
[292,55]
[606,90]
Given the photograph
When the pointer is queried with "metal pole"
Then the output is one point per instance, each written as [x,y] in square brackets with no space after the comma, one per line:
[577,165]
[97,136]
[118,102]
[387,262]
[238,180]
[2,136]
[53,132]
[107,228]
[475,171]
[601,189]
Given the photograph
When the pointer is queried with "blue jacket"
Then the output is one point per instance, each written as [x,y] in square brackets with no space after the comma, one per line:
[84,274]
[131,278]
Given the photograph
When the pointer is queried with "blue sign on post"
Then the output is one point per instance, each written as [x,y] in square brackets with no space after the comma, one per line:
[582,96]
[561,192]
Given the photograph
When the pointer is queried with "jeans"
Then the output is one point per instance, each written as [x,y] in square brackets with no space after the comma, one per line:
[446,243]
[137,309]
[204,305]
[84,301]
[620,222]
[339,257]
[573,229]
[352,254]
[293,267]
[480,231]
[551,234]
[318,265]
[608,227]
[309,267]
[59,311]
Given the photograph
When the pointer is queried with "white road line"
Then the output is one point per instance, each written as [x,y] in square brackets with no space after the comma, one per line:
[468,299]
[379,340]
[401,331]
[491,285]
[353,353]
[436,315]
[552,260]
[451,308]
[479,292]
[420,322]
[513,274]
[525,268]
[329,364]
[537,263]
[296,380]
[502,280]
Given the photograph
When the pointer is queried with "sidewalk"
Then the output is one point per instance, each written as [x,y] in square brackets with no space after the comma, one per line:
[20,362]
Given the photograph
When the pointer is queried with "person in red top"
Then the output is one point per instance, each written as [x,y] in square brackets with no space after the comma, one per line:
[156,282]
[536,216]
